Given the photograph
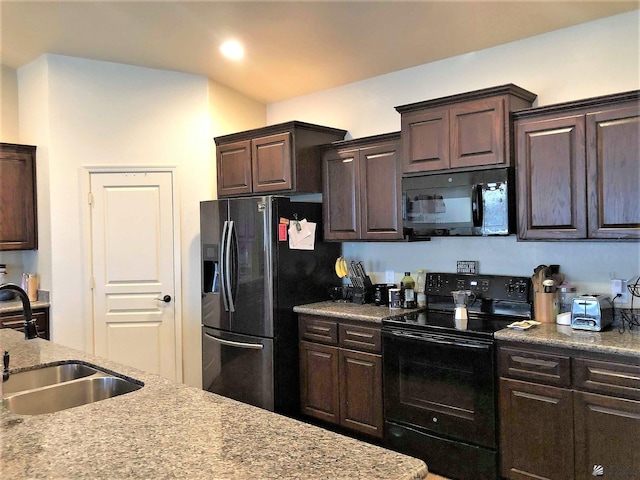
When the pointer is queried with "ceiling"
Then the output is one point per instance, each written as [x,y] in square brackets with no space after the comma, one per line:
[292,47]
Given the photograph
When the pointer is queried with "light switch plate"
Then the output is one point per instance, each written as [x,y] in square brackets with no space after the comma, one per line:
[389,276]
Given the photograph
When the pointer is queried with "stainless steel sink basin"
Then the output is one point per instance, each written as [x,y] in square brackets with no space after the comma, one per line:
[68,395]
[42,377]
[53,388]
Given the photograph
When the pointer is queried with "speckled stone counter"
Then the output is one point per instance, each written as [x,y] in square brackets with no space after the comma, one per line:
[15,305]
[169,430]
[563,336]
[352,311]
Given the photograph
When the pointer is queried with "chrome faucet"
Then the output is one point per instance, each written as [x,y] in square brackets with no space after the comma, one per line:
[30,330]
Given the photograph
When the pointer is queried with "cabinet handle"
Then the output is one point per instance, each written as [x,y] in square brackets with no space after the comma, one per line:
[351,333]
[614,374]
[13,322]
[546,364]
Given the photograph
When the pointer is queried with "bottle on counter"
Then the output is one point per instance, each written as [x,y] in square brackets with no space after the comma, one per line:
[408,291]
[421,282]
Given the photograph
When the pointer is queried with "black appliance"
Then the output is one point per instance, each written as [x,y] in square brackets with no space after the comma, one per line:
[440,379]
[478,202]
[251,280]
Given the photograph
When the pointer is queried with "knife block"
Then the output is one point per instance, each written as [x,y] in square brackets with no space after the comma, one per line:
[545,307]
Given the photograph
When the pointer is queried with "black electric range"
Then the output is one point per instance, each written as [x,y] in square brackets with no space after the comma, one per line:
[440,385]
[499,301]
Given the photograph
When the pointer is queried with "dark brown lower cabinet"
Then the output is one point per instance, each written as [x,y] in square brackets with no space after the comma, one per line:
[319,381]
[587,424]
[341,374]
[16,321]
[536,424]
[607,432]
[361,392]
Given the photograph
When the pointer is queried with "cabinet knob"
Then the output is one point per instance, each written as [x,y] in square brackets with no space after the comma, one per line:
[166,298]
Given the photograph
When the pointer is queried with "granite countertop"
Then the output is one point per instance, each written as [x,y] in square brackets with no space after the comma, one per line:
[550,334]
[609,341]
[15,305]
[367,312]
[172,430]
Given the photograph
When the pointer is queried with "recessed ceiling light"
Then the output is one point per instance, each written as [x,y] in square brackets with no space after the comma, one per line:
[232,49]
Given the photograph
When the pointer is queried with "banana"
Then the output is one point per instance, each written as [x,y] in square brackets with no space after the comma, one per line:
[338,267]
[343,267]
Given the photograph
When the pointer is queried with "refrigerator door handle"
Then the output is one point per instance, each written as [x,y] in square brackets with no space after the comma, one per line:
[230,261]
[255,346]
[224,266]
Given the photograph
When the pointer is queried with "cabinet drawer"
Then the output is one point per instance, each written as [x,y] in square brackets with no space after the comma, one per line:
[16,321]
[360,338]
[318,329]
[617,379]
[547,368]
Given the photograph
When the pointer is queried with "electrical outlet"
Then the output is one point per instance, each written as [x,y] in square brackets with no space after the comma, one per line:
[389,276]
[619,286]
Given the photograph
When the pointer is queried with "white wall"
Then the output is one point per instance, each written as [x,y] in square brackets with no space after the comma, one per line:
[88,113]
[588,60]
[9,133]
[9,105]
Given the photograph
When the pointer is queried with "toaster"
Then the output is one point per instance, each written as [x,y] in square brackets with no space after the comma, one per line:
[591,312]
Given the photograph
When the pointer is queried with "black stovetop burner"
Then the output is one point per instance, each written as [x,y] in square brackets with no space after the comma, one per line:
[500,300]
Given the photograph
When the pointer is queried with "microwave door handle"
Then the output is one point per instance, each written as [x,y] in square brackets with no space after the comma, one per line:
[476,205]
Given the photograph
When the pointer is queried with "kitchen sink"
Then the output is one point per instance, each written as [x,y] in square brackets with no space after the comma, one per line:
[59,387]
[42,377]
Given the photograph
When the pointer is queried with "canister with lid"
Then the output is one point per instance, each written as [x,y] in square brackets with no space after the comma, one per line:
[566,294]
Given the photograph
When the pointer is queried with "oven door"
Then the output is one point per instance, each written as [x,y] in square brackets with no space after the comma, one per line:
[442,384]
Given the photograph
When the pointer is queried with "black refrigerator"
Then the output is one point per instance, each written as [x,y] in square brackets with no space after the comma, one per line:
[251,280]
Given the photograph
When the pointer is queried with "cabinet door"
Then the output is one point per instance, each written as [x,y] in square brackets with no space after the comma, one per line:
[380,197]
[319,381]
[607,430]
[425,141]
[341,200]
[613,164]
[550,168]
[361,392]
[234,168]
[478,133]
[16,321]
[18,218]
[272,163]
[536,431]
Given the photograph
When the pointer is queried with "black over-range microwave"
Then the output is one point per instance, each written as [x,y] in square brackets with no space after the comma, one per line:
[480,202]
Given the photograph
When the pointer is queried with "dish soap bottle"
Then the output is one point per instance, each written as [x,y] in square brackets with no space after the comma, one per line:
[421,282]
[408,291]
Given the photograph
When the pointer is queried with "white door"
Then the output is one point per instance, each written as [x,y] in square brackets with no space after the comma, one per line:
[132,241]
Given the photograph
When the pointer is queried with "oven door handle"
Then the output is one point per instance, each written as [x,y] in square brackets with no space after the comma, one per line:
[439,341]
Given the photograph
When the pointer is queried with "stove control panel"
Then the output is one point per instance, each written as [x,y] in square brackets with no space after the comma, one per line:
[496,287]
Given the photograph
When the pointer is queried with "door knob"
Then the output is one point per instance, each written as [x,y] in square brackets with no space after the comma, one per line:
[166,298]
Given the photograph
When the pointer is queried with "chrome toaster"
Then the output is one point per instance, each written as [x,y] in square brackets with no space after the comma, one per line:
[591,312]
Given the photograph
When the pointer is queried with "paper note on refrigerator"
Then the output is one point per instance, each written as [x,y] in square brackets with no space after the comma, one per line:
[302,235]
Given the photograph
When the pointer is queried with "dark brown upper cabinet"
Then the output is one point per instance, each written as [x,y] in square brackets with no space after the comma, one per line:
[468,130]
[578,168]
[282,158]
[18,216]
[361,189]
